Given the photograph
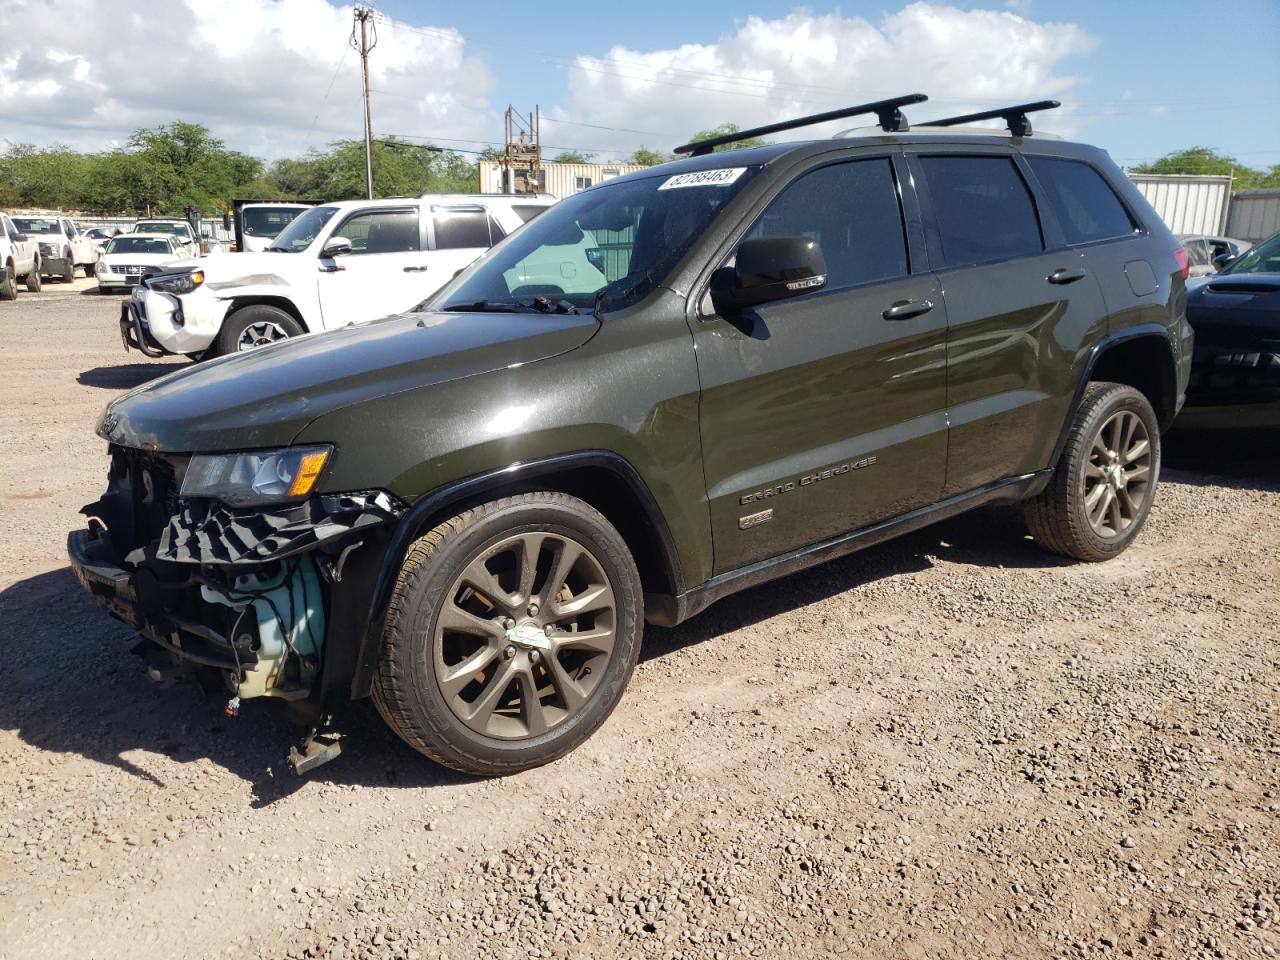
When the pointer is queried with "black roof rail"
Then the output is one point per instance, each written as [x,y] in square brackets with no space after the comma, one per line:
[1015,117]
[887,112]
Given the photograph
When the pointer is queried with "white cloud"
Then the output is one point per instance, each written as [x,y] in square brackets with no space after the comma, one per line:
[273,77]
[255,72]
[803,63]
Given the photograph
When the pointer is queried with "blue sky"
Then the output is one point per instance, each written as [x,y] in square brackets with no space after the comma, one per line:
[275,78]
[1217,78]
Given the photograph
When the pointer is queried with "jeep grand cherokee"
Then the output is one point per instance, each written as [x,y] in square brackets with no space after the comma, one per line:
[745,363]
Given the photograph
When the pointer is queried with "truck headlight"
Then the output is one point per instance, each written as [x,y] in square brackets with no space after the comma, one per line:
[103,267]
[178,283]
[49,250]
[256,478]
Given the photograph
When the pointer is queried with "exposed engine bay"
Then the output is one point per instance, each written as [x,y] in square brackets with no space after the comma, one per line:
[239,597]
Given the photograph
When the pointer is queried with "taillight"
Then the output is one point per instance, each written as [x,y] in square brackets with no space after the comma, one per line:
[1184,261]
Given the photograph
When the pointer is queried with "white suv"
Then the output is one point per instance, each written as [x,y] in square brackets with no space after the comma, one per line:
[340,263]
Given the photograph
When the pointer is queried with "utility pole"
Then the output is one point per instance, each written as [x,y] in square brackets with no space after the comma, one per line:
[364,16]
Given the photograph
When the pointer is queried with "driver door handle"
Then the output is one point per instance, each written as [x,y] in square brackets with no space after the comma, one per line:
[1063,276]
[415,269]
[906,309]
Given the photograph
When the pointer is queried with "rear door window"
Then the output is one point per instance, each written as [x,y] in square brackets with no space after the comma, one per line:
[1087,208]
[982,209]
[851,210]
[462,229]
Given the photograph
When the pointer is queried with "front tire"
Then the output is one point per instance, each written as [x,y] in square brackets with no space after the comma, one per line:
[254,326]
[512,632]
[33,278]
[9,289]
[1101,491]
[69,271]
[90,269]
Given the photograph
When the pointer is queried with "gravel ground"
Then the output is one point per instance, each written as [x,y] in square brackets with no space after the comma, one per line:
[953,745]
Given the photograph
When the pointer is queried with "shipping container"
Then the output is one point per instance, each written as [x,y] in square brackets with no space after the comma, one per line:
[560,180]
[1187,204]
[1254,215]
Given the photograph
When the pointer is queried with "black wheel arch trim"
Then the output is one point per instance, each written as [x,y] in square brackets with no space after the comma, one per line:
[415,522]
[1147,330]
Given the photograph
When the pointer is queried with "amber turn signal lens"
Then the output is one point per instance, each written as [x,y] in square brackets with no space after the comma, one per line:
[308,472]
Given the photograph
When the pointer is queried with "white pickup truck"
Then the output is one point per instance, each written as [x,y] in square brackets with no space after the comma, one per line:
[62,246]
[339,263]
[19,259]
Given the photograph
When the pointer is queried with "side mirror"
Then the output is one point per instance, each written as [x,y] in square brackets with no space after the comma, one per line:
[336,247]
[19,238]
[768,269]
[1222,259]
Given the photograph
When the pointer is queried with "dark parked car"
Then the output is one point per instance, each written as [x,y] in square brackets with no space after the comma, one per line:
[1235,376]
[787,353]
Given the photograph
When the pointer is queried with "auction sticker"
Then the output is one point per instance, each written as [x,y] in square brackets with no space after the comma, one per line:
[704,178]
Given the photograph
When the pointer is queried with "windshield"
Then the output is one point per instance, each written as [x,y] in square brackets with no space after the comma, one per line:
[302,232]
[173,229]
[139,245]
[1264,258]
[36,225]
[620,240]
[267,221]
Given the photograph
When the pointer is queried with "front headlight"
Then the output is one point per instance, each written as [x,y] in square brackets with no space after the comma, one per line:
[178,283]
[49,250]
[103,267]
[258,478]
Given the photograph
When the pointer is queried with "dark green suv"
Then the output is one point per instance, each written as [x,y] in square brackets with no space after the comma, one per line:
[667,388]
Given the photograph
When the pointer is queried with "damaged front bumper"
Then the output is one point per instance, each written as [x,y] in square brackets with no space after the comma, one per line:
[275,601]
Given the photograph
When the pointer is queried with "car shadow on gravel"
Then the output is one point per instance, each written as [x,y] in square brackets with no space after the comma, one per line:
[124,376]
[72,687]
[993,536]
[1247,459]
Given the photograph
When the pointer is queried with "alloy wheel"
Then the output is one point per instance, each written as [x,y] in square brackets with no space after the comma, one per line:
[524,635]
[1117,474]
[259,334]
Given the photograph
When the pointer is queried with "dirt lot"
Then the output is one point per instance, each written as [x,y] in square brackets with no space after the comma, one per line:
[950,746]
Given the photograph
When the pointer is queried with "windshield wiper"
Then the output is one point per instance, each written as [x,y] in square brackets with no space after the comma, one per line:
[490,306]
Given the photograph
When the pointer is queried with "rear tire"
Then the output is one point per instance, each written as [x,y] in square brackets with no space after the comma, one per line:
[9,289]
[33,278]
[1101,491]
[489,670]
[254,326]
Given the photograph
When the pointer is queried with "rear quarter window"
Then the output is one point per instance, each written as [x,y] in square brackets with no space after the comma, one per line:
[1086,206]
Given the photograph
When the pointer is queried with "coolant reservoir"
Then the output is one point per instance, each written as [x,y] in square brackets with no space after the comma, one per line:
[289,610]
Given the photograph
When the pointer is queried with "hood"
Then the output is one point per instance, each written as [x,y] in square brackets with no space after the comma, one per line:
[1239,301]
[224,270]
[264,397]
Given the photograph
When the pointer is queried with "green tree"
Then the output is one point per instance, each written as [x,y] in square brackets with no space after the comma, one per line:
[724,130]
[1205,161]
[649,158]
[574,156]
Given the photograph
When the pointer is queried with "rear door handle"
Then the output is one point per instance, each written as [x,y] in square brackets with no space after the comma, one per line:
[906,309]
[415,269]
[1062,275]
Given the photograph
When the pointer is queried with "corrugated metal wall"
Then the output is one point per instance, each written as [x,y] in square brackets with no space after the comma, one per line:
[1187,204]
[1254,215]
[559,179]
